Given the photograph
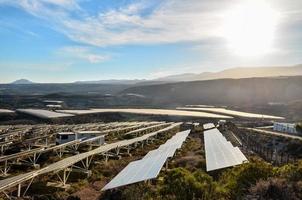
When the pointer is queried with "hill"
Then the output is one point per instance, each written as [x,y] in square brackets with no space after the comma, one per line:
[236,73]
[70,88]
[113,81]
[249,91]
[22,81]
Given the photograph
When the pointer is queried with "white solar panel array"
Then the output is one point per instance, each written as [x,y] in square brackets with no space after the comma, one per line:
[45,114]
[220,153]
[208,126]
[150,166]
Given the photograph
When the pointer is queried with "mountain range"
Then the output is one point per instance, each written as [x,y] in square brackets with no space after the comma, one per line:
[233,73]
[237,73]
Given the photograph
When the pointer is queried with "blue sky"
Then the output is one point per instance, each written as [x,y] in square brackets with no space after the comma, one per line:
[71,40]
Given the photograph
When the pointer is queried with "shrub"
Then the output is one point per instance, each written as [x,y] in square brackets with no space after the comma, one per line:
[239,179]
[181,184]
[290,172]
[299,127]
[275,188]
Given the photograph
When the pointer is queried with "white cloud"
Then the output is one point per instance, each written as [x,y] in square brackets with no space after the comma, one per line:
[61,2]
[169,21]
[52,66]
[83,53]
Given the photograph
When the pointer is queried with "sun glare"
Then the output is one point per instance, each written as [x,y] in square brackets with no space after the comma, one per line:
[250,28]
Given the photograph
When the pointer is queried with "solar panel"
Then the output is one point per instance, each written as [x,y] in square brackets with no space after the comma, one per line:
[240,155]
[220,153]
[163,149]
[165,112]
[43,113]
[150,166]
[70,161]
[5,111]
[137,171]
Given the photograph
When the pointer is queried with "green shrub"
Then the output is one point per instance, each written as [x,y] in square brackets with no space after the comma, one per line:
[290,172]
[181,184]
[239,179]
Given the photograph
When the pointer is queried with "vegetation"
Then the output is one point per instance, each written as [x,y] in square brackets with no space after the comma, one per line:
[254,180]
[299,127]
[181,184]
[185,179]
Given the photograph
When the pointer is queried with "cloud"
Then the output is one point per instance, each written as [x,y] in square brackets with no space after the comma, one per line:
[143,22]
[68,3]
[167,24]
[170,21]
[83,53]
[51,66]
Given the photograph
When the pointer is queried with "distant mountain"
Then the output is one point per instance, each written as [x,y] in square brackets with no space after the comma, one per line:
[236,73]
[22,82]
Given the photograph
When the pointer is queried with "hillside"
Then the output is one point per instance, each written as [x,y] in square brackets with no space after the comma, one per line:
[43,89]
[250,91]
[236,73]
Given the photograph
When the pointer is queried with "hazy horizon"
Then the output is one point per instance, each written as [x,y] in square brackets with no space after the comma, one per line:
[151,79]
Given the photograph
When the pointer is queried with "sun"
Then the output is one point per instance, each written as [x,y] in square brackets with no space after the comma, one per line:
[250,28]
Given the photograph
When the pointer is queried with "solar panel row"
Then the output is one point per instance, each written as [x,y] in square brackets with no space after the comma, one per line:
[150,166]
[220,153]
[70,161]
[45,114]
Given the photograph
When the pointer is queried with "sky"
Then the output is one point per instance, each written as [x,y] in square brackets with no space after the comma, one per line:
[75,40]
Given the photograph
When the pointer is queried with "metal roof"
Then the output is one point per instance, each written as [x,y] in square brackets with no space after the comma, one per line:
[66,133]
[208,126]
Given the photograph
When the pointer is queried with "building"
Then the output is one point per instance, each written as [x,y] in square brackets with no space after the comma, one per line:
[65,137]
[53,107]
[285,127]
[53,104]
